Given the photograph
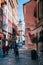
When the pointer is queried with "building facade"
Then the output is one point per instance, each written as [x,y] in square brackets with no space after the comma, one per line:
[30,19]
[40,23]
[33,15]
[9,21]
[21,32]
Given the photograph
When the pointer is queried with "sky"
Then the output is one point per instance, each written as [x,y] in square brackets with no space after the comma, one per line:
[20,9]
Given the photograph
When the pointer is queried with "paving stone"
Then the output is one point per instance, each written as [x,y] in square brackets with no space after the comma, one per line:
[24,59]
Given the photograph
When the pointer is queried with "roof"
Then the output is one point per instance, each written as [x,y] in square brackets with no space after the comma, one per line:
[29,2]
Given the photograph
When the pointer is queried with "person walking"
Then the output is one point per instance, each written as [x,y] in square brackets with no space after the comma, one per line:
[4,49]
[16,49]
[7,49]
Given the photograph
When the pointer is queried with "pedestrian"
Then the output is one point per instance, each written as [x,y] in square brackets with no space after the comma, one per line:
[7,49]
[4,49]
[16,49]
[11,46]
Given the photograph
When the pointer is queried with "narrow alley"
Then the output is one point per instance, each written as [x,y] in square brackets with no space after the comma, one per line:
[21,32]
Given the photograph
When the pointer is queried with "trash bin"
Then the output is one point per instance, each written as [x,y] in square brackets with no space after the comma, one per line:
[34,55]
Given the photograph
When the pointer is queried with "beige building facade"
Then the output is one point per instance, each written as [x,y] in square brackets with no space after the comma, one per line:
[10,19]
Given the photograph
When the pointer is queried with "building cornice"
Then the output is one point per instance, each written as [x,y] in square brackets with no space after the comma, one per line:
[29,2]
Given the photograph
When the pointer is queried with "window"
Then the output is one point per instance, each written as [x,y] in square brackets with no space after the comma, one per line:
[35,11]
[35,14]
[1,11]
[20,32]
[11,3]
[40,10]
[26,39]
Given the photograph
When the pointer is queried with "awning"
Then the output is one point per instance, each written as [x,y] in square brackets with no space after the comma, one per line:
[1,35]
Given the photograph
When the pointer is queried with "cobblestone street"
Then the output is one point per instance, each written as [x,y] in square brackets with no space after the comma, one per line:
[24,59]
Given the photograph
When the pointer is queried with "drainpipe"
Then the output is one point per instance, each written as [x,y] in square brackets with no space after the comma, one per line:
[37,42]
